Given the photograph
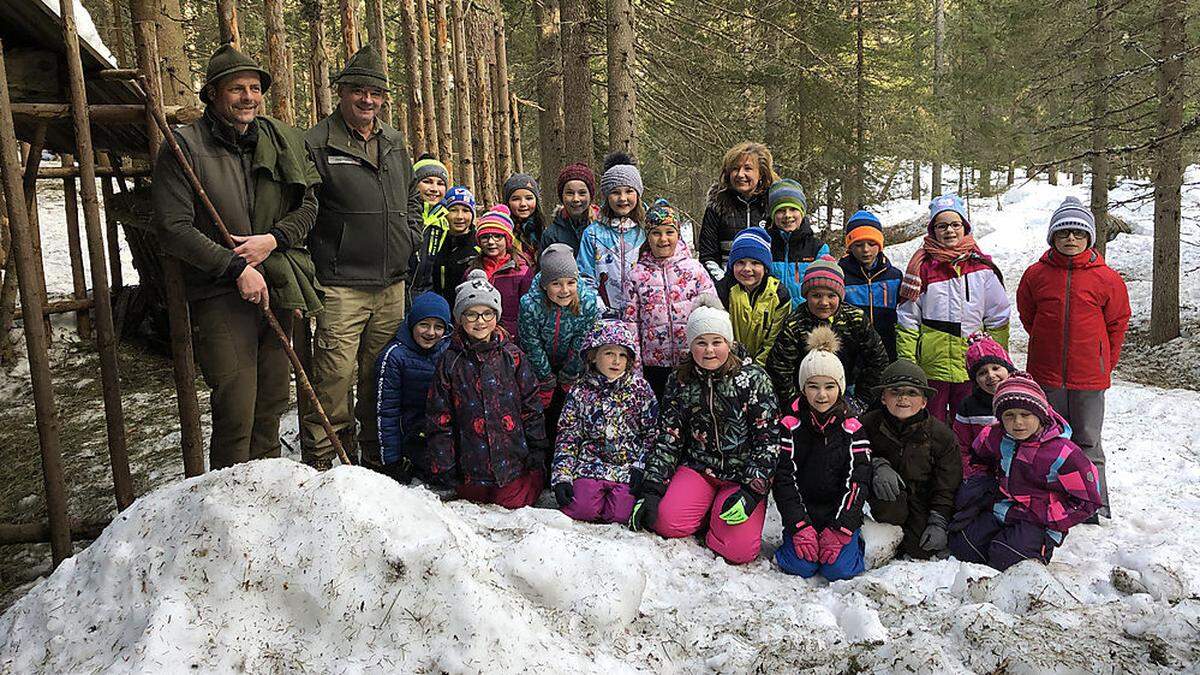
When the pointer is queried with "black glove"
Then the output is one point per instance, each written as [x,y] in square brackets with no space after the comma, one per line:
[934,537]
[645,512]
[636,476]
[564,493]
[887,484]
[738,506]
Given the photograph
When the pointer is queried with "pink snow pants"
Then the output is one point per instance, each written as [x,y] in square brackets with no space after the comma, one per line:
[522,492]
[600,501]
[944,404]
[691,496]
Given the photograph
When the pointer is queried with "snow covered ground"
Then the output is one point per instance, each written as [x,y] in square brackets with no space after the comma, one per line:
[274,567]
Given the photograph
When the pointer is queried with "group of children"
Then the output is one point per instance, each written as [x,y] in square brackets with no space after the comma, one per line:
[677,394]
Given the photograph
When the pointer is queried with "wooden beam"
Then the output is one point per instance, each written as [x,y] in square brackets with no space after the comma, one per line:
[61,172]
[65,306]
[103,113]
[116,74]
[39,533]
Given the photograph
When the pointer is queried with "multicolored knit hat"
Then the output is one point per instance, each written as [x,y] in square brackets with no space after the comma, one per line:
[1021,392]
[948,203]
[427,165]
[824,272]
[753,243]
[661,214]
[577,171]
[613,332]
[864,226]
[982,350]
[497,220]
[784,193]
[522,181]
[459,195]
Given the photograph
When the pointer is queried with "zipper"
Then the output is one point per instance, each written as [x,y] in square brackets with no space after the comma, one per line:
[1066,325]
[967,283]
[712,412]
[670,316]
[387,234]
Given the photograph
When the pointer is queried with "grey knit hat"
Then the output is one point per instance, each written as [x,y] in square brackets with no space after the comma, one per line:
[709,316]
[1072,215]
[557,261]
[620,172]
[475,291]
[522,181]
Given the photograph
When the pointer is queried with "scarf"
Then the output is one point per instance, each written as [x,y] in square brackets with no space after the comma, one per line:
[491,264]
[966,249]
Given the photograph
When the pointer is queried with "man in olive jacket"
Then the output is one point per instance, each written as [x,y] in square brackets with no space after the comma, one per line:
[263,186]
[366,232]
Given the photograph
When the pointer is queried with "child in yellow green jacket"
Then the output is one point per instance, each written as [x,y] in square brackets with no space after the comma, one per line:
[757,302]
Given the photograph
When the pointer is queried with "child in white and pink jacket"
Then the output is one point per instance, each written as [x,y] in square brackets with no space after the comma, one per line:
[662,290]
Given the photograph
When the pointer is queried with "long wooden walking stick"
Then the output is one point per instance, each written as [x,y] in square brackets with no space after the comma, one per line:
[302,382]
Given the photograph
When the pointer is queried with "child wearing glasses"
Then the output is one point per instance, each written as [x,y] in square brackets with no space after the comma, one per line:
[1076,310]
[507,268]
[949,291]
[487,434]
[917,464]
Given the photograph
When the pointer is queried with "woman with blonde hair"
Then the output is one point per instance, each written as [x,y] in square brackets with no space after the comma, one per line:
[737,201]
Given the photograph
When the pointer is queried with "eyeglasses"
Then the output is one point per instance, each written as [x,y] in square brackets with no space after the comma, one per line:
[905,392]
[942,227]
[1071,234]
[485,315]
[489,236]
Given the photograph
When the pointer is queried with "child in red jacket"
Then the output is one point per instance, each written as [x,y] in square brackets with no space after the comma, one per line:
[1075,309]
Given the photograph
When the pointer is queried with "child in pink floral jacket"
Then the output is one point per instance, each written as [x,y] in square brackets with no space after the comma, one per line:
[662,290]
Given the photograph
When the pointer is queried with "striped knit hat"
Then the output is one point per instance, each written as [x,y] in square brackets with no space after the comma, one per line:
[753,243]
[784,193]
[1021,392]
[982,350]
[428,165]
[497,220]
[824,272]
[864,226]
[1072,215]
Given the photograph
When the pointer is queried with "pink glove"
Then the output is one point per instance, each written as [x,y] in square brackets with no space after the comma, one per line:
[831,541]
[805,542]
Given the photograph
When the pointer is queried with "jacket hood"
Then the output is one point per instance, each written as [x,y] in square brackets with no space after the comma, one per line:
[425,306]
[1058,428]
[682,252]
[1082,260]
[613,332]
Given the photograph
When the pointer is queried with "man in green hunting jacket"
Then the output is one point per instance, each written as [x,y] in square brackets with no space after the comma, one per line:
[255,171]
[367,229]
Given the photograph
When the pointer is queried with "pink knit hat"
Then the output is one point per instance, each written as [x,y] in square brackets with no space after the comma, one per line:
[824,272]
[982,350]
[1021,392]
[497,220]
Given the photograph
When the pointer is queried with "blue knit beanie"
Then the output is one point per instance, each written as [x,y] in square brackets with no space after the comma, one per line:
[428,305]
[753,243]
[786,192]
[948,203]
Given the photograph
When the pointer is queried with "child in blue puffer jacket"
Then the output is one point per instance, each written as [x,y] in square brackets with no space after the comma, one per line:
[402,377]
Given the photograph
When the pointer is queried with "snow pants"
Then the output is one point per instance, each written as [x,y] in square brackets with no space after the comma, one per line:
[977,536]
[911,514]
[600,501]
[1084,411]
[691,498]
[849,563]
[522,492]
[944,402]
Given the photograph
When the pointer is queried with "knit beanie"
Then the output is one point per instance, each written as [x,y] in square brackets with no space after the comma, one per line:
[948,203]
[459,195]
[473,292]
[620,171]
[557,262]
[709,316]
[753,243]
[522,181]
[824,272]
[982,350]
[577,171]
[497,220]
[1072,215]
[426,166]
[822,358]
[864,226]
[660,214]
[784,193]
[905,373]
[1021,392]
[428,305]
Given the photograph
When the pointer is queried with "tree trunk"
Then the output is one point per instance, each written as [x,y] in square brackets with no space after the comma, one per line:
[227,22]
[412,64]
[1011,175]
[550,90]
[177,86]
[504,157]
[1052,175]
[939,77]
[856,194]
[346,9]
[577,82]
[462,99]
[773,120]
[1076,173]
[377,37]
[622,93]
[985,182]
[442,90]
[518,153]
[116,36]
[916,180]
[318,55]
[1100,171]
[277,62]
[1168,173]
[427,109]
[487,144]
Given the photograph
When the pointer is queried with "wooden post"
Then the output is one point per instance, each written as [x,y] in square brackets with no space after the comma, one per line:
[145,44]
[83,324]
[462,99]
[116,37]
[227,21]
[106,342]
[504,161]
[113,233]
[45,410]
